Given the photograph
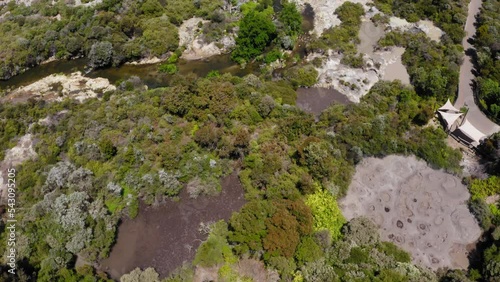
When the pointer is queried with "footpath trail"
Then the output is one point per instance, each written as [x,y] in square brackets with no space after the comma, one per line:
[465,91]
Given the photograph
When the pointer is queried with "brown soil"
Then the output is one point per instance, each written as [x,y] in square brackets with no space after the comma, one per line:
[166,236]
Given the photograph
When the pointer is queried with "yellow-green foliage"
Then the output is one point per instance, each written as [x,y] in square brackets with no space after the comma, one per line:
[326,213]
[481,189]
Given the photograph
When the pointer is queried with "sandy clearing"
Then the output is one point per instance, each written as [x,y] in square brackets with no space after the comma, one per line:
[419,209]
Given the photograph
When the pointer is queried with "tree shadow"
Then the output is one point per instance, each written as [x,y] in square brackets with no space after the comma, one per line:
[475,256]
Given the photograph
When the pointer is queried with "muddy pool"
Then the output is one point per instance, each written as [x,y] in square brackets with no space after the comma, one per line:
[164,237]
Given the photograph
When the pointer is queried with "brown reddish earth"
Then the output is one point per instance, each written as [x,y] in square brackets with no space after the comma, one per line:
[164,237]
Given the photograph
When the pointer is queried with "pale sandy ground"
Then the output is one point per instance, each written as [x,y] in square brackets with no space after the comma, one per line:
[146,61]
[428,27]
[324,12]
[421,210]
[190,36]
[57,86]
[355,82]
[334,74]
[21,152]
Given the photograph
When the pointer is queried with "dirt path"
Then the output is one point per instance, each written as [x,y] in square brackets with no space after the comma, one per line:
[465,92]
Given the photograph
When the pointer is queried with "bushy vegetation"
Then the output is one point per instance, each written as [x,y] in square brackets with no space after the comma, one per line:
[110,33]
[487,214]
[433,67]
[344,37]
[487,43]
[260,28]
[104,156]
[256,33]
[449,15]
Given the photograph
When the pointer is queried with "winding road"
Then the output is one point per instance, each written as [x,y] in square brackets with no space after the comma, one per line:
[465,91]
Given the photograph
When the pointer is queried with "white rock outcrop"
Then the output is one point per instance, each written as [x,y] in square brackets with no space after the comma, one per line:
[18,154]
[324,16]
[190,36]
[56,87]
[428,27]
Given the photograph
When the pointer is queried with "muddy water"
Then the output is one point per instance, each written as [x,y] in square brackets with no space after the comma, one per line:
[392,67]
[166,236]
[315,100]
[369,35]
[307,18]
[396,70]
[148,73]
[42,71]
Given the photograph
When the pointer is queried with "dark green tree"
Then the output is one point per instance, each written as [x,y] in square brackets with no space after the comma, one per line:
[100,54]
[291,19]
[256,32]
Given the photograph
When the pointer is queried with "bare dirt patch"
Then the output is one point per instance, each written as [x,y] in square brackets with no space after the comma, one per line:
[419,209]
[166,236]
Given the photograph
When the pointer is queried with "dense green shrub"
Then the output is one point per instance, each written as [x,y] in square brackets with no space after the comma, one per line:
[449,15]
[256,32]
[291,19]
[168,68]
[480,189]
[326,213]
[487,43]
[301,75]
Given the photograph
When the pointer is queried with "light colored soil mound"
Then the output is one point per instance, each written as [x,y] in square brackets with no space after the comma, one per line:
[419,209]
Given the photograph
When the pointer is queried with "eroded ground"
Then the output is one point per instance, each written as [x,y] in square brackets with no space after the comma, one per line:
[419,209]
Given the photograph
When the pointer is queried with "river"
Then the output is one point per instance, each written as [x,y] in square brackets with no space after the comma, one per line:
[149,74]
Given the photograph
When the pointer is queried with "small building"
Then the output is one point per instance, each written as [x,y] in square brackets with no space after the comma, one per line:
[469,134]
[464,131]
[449,115]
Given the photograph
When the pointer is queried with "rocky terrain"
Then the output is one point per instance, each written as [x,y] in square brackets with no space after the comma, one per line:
[56,87]
[190,36]
[421,210]
[383,64]
[324,17]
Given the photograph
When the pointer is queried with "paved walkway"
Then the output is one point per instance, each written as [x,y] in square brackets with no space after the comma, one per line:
[465,93]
